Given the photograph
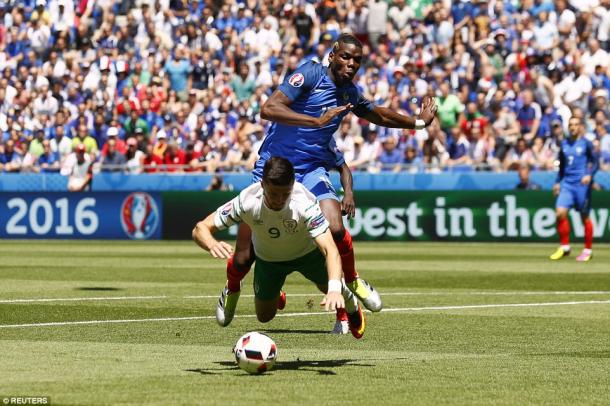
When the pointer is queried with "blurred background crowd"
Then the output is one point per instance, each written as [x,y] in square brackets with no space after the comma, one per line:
[176,85]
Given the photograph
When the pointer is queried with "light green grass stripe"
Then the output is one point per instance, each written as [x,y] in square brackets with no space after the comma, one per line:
[301,314]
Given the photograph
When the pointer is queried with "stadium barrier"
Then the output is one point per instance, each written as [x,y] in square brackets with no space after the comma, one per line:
[387,215]
[421,216]
[105,182]
[105,215]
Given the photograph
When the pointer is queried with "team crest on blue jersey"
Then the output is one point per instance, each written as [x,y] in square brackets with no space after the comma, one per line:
[290,225]
[345,96]
[297,80]
[578,150]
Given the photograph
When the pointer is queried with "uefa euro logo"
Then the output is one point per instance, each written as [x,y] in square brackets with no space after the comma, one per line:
[139,216]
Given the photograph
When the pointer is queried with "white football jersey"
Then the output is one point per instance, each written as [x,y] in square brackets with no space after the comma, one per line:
[282,235]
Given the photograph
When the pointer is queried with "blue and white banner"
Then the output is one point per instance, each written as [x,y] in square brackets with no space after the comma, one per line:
[111,215]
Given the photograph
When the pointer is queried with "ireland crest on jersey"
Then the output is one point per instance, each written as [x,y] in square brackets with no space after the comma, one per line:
[290,226]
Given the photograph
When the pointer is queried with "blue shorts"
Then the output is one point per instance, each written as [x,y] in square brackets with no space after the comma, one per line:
[316,181]
[575,195]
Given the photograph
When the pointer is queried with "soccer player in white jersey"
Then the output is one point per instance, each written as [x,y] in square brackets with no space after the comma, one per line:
[289,232]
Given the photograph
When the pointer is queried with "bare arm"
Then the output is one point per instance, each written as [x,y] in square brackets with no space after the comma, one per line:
[348,205]
[389,118]
[277,109]
[326,244]
[203,236]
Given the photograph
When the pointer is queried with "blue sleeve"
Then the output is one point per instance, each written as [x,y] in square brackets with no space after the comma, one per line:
[562,166]
[363,106]
[300,81]
[592,158]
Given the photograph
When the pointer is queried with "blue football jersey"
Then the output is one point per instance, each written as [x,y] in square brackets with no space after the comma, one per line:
[311,92]
[576,159]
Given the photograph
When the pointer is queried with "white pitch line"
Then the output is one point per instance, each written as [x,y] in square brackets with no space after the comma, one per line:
[515,293]
[404,309]
[487,306]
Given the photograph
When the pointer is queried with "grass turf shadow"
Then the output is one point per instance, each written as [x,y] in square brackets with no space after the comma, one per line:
[290,331]
[321,367]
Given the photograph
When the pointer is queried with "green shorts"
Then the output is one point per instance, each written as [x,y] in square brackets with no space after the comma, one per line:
[269,277]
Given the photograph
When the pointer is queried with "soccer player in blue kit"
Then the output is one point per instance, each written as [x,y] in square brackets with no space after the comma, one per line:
[306,110]
[577,166]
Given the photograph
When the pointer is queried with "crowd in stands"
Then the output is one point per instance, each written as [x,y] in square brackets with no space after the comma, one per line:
[176,85]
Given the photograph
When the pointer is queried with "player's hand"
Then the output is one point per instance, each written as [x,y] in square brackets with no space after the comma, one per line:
[586,180]
[348,205]
[556,189]
[333,301]
[330,114]
[428,110]
[221,250]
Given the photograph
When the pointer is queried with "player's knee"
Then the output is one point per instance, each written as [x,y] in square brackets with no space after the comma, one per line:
[338,232]
[243,259]
[265,317]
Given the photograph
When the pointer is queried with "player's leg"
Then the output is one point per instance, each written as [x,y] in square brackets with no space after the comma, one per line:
[565,200]
[269,277]
[240,263]
[238,267]
[365,292]
[583,204]
[319,184]
[313,267]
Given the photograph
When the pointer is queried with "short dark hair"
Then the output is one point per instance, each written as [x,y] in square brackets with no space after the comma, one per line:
[346,38]
[278,171]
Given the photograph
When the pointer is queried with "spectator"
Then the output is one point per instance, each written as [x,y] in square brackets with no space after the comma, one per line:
[243,85]
[134,157]
[377,21]
[160,146]
[78,169]
[113,160]
[217,183]
[10,159]
[519,155]
[345,140]
[178,69]
[390,155]
[524,179]
[118,144]
[48,161]
[61,144]
[367,158]
[174,158]
[529,115]
[449,107]
[83,137]
[149,68]
[411,161]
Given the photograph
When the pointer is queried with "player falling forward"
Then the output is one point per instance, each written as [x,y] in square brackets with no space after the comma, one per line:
[306,110]
[284,217]
[577,166]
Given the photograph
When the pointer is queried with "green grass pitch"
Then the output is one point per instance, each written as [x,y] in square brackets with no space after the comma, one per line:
[463,324]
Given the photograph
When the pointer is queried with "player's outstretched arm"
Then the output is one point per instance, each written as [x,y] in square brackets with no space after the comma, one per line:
[203,236]
[326,244]
[389,118]
[277,109]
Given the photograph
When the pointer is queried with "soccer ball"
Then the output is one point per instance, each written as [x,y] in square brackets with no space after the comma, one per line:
[255,353]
